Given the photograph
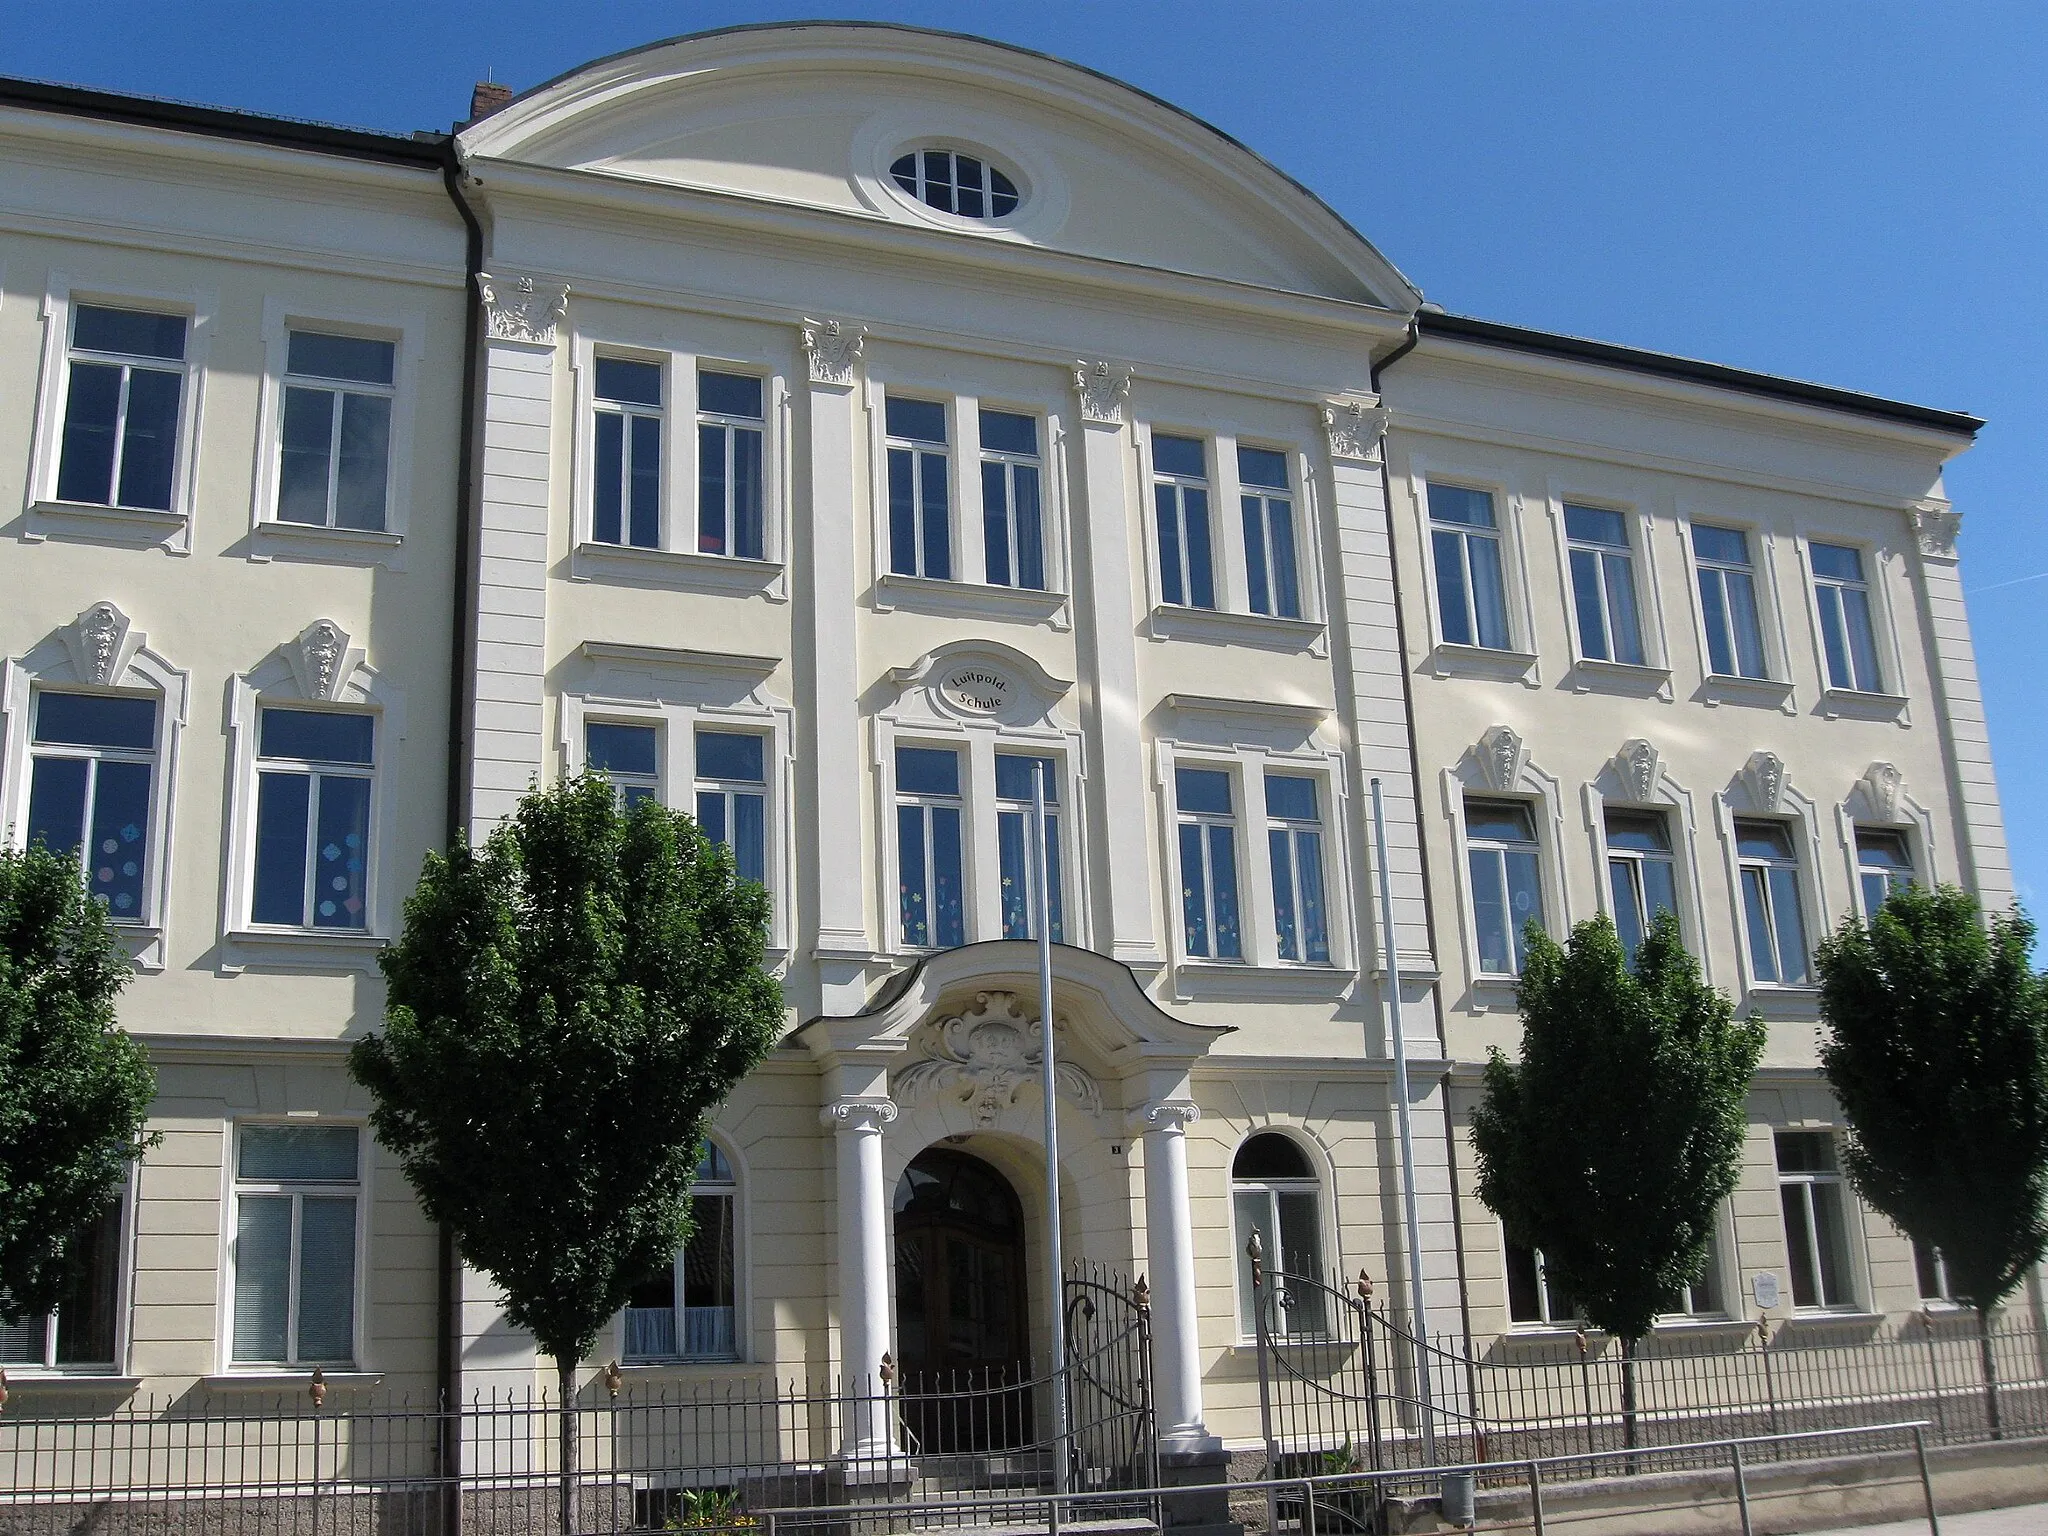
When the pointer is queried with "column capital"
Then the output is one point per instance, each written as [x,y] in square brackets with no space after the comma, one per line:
[522,308]
[1102,388]
[1164,1116]
[859,1115]
[1937,523]
[1355,427]
[833,348]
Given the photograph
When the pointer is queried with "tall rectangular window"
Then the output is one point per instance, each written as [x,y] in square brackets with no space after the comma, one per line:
[313,775]
[732,797]
[297,1193]
[92,760]
[729,464]
[1180,501]
[120,440]
[1603,585]
[1013,538]
[1703,1297]
[1269,567]
[1294,841]
[690,1311]
[1930,1269]
[1883,865]
[1642,875]
[1847,634]
[1770,902]
[1471,589]
[1207,820]
[335,460]
[81,1334]
[1816,1231]
[1532,1297]
[920,511]
[1014,840]
[1735,635]
[1502,854]
[626,493]
[928,861]
[629,756]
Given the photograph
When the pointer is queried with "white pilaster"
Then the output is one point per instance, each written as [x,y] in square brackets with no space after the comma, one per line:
[1170,1247]
[521,316]
[832,349]
[1120,760]
[857,1125]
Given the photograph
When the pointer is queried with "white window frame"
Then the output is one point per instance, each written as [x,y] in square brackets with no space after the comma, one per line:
[407,330]
[1010,460]
[742,1246]
[357,688]
[1500,849]
[960,548]
[1544,796]
[1884,633]
[54,664]
[677,563]
[1292,498]
[1641,554]
[701,417]
[1520,661]
[1319,1182]
[1852,1276]
[1944,1295]
[1675,802]
[1326,805]
[621,782]
[976,872]
[1211,484]
[1776,687]
[1547,1321]
[1866,810]
[1812,920]
[1719,1248]
[232,1190]
[1060,812]
[677,691]
[124,1277]
[44,512]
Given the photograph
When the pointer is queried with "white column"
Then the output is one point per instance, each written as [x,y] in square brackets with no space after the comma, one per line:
[1112,589]
[863,1268]
[832,349]
[1170,1246]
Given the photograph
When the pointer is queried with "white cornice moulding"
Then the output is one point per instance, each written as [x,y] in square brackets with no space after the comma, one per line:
[1268,712]
[755,669]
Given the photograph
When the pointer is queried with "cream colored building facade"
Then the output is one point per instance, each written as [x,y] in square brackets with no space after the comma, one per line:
[847,420]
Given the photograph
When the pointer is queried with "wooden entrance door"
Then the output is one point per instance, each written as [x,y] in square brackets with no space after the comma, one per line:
[961,1322]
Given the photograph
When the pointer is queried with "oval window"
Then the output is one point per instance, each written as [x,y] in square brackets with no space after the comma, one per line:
[955,183]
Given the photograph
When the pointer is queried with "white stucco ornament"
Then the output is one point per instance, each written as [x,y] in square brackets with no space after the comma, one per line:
[1765,776]
[100,642]
[1936,523]
[1355,428]
[834,349]
[322,660]
[1882,786]
[1102,390]
[978,688]
[1638,765]
[522,308]
[1500,755]
[984,1058]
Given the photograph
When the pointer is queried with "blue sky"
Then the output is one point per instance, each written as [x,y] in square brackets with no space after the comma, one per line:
[1850,192]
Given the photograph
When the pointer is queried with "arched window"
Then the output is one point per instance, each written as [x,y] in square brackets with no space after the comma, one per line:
[955,183]
[1274,1192]
[691,1310]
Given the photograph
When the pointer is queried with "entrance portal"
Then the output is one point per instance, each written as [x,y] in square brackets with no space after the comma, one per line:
[962,1330]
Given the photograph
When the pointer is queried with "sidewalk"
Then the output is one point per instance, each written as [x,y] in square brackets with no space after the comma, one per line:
[2021,1520]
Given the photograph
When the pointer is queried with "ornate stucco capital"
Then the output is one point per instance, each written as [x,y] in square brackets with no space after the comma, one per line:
[1355,428]
[1102,389]
[522,308]
[1167,1117]
[833,348]
[862,1116]
[1936,524]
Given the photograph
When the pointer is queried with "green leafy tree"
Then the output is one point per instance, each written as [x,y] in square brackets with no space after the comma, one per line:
[74,1090]
[1612,1141]
[567,1007]
[1937,1048]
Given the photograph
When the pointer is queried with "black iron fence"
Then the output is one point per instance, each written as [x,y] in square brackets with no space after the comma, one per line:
[1343,1387]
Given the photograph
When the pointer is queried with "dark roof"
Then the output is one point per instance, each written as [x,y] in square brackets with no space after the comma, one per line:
[422,151]
[1607,354]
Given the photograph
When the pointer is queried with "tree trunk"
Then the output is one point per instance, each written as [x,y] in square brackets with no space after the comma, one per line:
[1990,1367]
[565,1386]
[1628,1397]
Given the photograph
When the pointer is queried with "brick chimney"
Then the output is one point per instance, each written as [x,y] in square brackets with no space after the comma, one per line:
[486,99]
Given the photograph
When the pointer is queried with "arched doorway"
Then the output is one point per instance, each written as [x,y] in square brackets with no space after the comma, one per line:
[962,1326]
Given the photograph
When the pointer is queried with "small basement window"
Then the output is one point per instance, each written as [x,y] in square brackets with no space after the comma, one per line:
[956,183]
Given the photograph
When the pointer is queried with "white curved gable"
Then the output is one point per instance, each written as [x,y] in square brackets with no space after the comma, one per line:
[812,115]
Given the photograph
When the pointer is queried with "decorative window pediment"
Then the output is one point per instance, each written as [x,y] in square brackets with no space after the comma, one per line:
[978,682]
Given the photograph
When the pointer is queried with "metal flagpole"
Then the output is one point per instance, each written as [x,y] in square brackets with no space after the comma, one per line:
[1396,1036]
[1042,920]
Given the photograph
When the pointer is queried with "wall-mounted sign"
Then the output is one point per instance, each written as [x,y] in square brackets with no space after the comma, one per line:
[1765,1289]
[975,688]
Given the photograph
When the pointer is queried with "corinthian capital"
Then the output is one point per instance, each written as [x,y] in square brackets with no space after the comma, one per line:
[1102,390]
[522,308]
[859,1115]
[833,348]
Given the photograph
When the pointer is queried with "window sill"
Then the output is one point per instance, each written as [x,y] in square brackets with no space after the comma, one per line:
[300,540]
[1680,1323]
[144,943]
[287,1378]
[1170,621]
[1592,675]
[1757,692]
[122,525]
[922,594]
[730,1369]
[1449,660]
[1827,1317]
[1838,703]
[682,569]
[306,947]
[1242,979]
[39,1378]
